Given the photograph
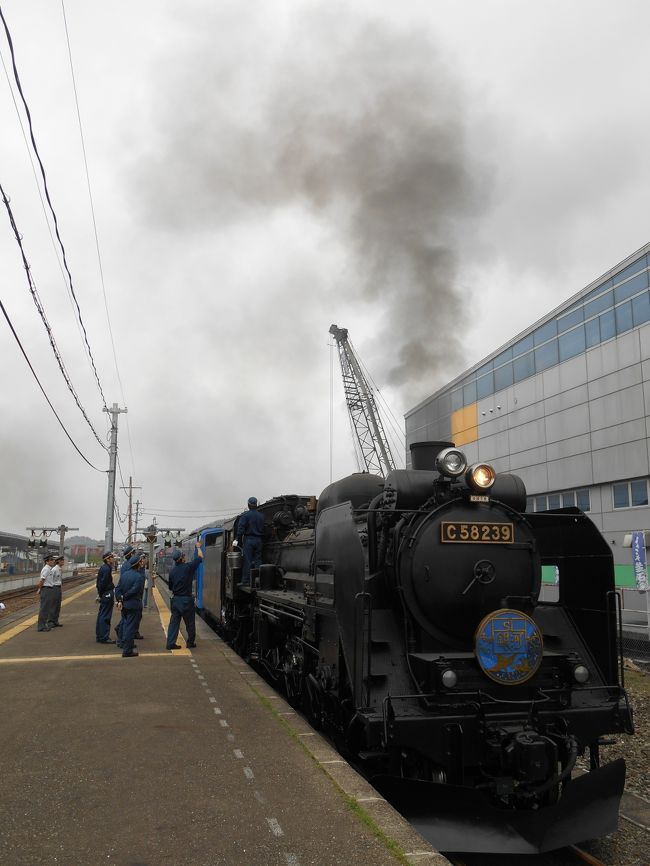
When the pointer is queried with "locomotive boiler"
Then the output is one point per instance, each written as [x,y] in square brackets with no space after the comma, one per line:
[404,616]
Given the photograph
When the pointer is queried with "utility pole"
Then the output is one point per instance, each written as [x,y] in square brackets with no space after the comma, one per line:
[135,525]
[110,499]
[48,530]
[131,488]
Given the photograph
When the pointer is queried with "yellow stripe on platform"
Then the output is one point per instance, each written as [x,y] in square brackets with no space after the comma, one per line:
[33,619]
[117,655]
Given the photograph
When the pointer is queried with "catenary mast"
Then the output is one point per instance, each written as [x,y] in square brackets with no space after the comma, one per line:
[373,454]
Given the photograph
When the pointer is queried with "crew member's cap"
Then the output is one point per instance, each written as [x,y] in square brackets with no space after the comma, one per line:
[48,556]
[252,500]
[105,555]
[177,554]
[59,558]
[129,550]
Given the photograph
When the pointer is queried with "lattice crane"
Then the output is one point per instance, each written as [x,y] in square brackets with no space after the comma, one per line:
[373,451]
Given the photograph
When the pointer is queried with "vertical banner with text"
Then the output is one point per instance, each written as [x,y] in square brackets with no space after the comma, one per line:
[639,561]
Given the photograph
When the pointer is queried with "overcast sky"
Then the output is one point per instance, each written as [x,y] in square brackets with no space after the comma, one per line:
[434,176]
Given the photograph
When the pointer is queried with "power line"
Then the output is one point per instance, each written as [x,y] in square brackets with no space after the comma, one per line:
[49,200]
[13,331]
[90,198]
[41,312]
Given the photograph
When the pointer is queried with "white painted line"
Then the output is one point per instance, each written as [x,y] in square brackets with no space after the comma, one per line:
[248,773]
[217,711]
[201,677]
[307,735]
[276,829]
[369,799]
[238,753]
[292,859]
[208,691]
[223,723]
[231,738]
[338,762]
[260,797]
[213,700]
[286,714]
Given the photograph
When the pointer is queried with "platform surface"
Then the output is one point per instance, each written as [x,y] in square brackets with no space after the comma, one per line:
[170,759]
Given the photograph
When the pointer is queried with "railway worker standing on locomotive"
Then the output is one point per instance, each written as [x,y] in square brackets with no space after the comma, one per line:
[106,593]
[45,590]
[182,604]
[128,594]
[250,530]
[57,583]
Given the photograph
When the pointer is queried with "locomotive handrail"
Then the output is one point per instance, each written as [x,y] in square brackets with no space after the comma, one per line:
[615,596]
[363,603]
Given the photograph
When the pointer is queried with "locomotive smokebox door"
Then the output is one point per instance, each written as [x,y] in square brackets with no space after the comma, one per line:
[462,561]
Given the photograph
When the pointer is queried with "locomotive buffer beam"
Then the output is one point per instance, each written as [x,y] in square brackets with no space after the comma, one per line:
[455,818]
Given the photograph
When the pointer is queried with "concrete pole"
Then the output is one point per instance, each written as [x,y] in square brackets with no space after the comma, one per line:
[110,499]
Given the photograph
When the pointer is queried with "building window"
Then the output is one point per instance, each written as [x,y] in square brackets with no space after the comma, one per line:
[567,499]
[630,494]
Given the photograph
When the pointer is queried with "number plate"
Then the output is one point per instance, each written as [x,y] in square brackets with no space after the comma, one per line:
[456,532]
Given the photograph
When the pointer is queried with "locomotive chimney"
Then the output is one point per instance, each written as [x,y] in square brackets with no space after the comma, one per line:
[423,454]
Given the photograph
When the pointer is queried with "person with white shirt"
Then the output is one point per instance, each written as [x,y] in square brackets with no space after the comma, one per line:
[57,582]
[47,594]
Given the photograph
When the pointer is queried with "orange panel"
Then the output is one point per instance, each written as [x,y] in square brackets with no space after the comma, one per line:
[464,425]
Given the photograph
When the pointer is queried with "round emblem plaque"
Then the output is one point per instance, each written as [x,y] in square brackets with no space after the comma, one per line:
[508,646]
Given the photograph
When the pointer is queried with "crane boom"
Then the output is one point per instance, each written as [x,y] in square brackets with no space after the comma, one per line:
[364,416]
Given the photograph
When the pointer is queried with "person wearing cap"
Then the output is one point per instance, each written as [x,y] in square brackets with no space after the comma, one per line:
[182,607]
[57,583]
[128,595]
[127,553]
[250,531]
[45,590]
[106,594]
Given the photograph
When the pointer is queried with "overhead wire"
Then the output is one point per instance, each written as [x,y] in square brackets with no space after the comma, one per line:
[29,364]
[57,252]
[94,222]
[41,312]
[49,202]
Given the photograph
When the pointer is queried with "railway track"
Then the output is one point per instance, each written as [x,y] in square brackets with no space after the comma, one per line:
[16,599]
[570,856]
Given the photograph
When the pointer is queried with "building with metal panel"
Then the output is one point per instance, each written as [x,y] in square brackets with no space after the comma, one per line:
[565,405]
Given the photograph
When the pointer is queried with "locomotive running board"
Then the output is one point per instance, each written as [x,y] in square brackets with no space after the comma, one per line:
[453,818]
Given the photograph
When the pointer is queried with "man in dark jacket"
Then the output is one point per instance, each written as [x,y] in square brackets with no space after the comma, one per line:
[128,594]
[250,530]
[182,604]
[106,595]
[127,553]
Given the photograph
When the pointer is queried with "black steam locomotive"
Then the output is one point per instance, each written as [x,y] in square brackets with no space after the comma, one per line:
[404,615]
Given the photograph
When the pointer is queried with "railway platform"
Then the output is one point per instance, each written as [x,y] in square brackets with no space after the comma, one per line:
[170,758]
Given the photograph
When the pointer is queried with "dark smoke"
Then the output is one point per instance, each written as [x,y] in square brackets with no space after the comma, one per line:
[362,126]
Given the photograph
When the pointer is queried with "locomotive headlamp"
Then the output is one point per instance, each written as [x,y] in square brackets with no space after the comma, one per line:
[480,476]
[451,462]
[449,678]
[580,673]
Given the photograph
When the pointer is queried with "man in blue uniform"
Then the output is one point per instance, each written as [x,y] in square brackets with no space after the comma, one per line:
[250,530]
[182,604]
[106,594]
[127,553]
[128,594]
